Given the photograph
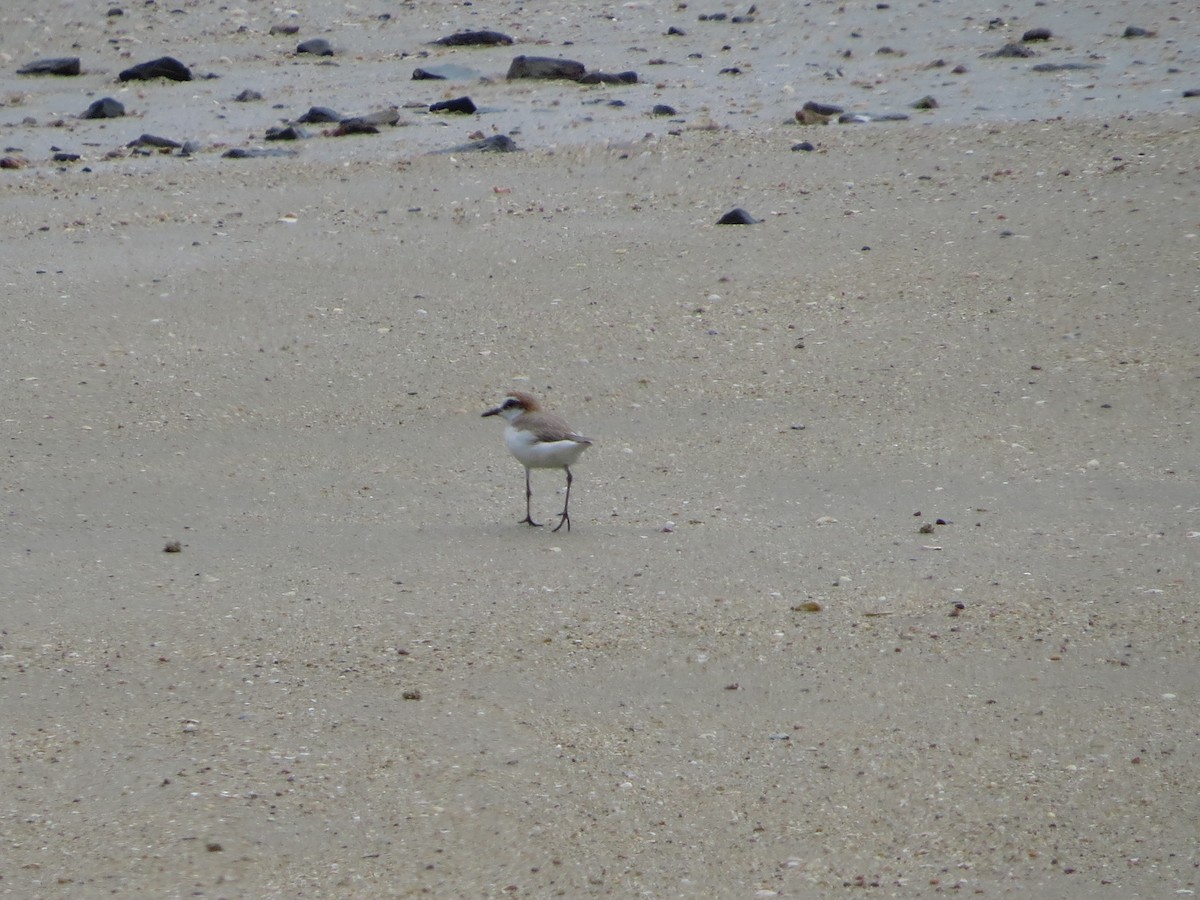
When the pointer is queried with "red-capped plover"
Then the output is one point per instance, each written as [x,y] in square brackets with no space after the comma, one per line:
[540,440]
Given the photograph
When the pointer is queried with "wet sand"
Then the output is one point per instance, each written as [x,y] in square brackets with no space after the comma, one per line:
[750,669]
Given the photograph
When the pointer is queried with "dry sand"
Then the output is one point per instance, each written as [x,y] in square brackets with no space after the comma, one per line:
[746,671]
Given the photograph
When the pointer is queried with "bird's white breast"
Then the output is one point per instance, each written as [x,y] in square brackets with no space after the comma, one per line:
[535,454]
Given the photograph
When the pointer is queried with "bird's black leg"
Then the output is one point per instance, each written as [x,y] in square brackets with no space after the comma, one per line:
[566,515]
[528,495]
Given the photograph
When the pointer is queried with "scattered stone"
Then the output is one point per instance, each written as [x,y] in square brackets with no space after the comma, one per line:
[545,67]
[1192,92]
[153,140]
[62,65]
[115,11]
[609,78]
[353,126]
[1013,51]
[164,67]
[63,156]
[173,547]
[248,96]
[12,162]
[104,108]
[926,102]
[285,133]
[730,70]
[813,113]
[285,28]
[318,115]
[1134,31]
[866,118]
[316,47]
[676,32]
[497,143]
[805,146]
[255,152]
[189,147]
[474,39]
[458,105]
[713,17]
[445,72]
[661,109]
[889,51]
[738,216]
[1063,67]
[1036,34]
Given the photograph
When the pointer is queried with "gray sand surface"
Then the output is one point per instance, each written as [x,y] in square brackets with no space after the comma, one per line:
[746,671]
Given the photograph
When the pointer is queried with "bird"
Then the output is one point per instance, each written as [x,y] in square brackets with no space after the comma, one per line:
[539,440]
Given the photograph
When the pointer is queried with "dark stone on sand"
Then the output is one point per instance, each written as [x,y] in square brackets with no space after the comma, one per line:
[730,70]
[318,115]
[353,126]
[115,11]
[609,78]
[714,17]
[426,75]
[926,102]
[285,28]
[738,216]
[474,39]
[1192,92]
[1036,34]
[164,67]
[661,109]
[813,113]
[104,108]
[458,105]
[676,32]
[1134,31]
[1010,51]
[61,65]
[545,67]
[497,143]
[255,152]
[153,140]
[248,96]
[62,156]
[806,146]
[285,133]
[315,46]
[1063,67]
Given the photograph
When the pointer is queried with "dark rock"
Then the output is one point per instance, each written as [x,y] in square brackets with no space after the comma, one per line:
[926,102]
[661,109]
[676,32]
[285,28]
[497,143]
[105,108]
[730,70]
[255,152]
[318,115]
[62,65]
[474,39]
[353,126]
[1036,34]
[1133,31]
[738,216]
[189,147]
[1063,67]
[426,75]
[813,113]
[445,72]
[545,67]
[248,96]
[714,17]
[1013,51]
[805,146]
[66,157]
[1192,92]
[115,11]
[163,67]
[315,46]
[742,20]
[458,105]
[285,133]
[153,140]
[13,162]
[609,78]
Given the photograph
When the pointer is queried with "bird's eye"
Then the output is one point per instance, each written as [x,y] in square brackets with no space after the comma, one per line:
[510,403]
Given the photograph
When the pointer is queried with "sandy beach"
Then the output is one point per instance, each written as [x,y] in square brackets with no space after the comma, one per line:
[883,570]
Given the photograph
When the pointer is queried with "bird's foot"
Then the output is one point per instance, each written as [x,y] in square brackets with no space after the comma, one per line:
[529,521]
[565,520]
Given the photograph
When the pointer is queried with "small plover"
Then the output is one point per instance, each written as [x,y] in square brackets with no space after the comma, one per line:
[540,440]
